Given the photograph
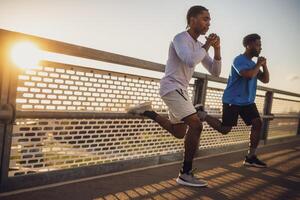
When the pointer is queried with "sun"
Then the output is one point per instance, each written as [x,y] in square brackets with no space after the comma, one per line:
[25,55]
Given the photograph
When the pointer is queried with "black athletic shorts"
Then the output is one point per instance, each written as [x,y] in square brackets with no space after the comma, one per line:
[232,112]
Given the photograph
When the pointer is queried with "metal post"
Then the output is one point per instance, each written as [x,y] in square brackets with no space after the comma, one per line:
[266,111]
[9,124]
[4,85]
[8,85]
[200,91]
[298,131]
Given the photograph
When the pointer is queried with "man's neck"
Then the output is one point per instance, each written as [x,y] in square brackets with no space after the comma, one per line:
[193,34]
[248,55]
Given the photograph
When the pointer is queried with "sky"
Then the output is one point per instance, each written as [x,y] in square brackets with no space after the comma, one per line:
[144,29]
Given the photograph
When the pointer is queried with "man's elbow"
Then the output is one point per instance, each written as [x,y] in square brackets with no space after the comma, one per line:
[266,81]
[247,75]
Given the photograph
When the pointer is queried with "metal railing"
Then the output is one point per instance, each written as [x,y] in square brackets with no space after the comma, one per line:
[59,119]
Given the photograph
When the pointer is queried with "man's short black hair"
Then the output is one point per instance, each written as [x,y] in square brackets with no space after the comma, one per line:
[250,38]
[194,11]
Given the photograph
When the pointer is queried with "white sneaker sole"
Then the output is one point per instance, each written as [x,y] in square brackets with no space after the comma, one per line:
[253,165]
[181,182]
[139,109]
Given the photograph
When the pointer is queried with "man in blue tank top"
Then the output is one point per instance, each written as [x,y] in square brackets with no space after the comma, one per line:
[239,96]
[240,90]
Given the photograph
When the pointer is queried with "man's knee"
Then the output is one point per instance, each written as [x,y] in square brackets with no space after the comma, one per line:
[257,124]
[194,123]
[179,130]
[180,134]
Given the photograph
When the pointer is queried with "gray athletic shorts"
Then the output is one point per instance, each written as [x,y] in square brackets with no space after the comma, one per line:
[179,104]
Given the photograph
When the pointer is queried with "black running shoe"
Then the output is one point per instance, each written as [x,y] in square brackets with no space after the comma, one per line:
[201,112]
[254,162]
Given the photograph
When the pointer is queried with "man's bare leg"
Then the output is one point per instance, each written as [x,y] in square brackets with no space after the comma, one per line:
[177,130]
[251,159]
[145,109]
[192,137]
[191,142]
[254,136]
[215,123]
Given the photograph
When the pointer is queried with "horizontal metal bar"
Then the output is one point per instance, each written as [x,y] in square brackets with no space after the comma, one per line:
[82,115]
[278,91]
[285,99]
[110,115]
[79,115]
[277,116]
[10,37]
[75,115]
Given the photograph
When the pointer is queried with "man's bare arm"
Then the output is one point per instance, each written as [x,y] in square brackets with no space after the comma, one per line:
[264,75]
[253,72]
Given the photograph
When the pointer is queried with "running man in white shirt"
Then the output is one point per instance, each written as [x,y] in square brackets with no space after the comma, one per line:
[185,52]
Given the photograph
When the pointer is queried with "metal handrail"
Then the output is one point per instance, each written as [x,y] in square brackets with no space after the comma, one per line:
[110,115]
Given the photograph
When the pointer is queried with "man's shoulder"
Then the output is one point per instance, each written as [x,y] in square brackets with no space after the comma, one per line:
[243,59]
[180,36]
[239,58]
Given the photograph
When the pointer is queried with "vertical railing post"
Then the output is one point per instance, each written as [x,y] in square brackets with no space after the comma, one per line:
[8,85]
[266,111]
[200,87]
[4,92]
[298,130]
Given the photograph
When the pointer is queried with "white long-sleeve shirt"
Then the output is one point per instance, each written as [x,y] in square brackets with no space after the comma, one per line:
[184,54]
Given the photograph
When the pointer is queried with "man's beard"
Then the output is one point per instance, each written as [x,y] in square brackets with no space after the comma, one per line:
[198,31]
[255,53]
